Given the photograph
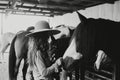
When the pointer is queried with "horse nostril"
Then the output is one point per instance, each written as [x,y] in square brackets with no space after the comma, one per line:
[95,67]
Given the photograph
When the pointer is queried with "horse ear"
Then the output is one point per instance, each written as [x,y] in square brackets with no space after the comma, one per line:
[81,17]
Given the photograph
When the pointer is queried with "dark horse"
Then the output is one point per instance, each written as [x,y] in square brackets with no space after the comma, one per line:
[90,36]
[18,51]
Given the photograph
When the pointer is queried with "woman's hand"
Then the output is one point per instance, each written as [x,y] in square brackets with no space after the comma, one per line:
[59,61]
[58,64]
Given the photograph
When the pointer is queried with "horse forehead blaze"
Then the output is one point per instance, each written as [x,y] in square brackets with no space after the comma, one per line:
[71,56]
[71,51]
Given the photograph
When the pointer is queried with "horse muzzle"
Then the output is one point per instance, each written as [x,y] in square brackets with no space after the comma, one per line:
[69,63]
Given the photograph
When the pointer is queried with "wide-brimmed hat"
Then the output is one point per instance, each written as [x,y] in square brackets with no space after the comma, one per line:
[43,27]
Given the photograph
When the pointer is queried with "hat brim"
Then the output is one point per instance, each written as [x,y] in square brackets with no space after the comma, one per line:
[49,31]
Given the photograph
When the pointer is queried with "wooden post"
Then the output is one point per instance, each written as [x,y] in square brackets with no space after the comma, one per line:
[1,24]
[77,72]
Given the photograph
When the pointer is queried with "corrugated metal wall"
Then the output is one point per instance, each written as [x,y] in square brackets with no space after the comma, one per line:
[107,11]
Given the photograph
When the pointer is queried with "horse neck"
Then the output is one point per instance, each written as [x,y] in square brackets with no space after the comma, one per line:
[85,44]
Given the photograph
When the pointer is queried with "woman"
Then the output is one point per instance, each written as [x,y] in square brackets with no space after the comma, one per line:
[38,57]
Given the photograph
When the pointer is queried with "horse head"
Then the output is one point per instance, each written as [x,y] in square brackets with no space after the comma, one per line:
[73,52]
[102,59]
[60,41]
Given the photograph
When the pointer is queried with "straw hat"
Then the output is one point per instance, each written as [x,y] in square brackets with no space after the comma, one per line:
[43,27]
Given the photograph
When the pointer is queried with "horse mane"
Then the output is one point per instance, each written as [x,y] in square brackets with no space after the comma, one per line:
[76,34]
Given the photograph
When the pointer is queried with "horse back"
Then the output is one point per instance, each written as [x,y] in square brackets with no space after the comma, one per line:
[21,44]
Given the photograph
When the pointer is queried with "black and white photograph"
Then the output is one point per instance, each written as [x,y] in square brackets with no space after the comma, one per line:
[59,39]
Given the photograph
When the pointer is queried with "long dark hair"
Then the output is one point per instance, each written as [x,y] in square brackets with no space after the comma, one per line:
[38,43]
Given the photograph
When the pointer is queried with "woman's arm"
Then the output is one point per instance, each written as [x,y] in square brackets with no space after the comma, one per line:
[46,71]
